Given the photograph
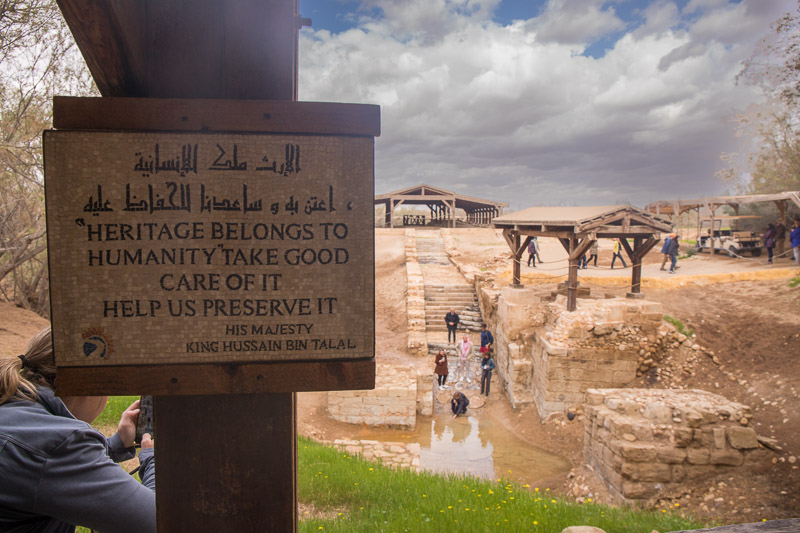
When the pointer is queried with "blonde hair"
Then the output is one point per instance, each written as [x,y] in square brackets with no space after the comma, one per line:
[20,383]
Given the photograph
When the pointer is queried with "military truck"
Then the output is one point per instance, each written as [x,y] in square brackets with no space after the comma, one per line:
[728,240]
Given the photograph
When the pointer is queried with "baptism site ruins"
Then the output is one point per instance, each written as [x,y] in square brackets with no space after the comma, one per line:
[196,264]
[562,348]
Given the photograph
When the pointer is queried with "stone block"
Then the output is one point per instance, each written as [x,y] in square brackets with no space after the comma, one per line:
[670,454]
[647,472]
[742,438]
[683,436]
[637,452]
[703,437]
[719,438]
[678,473]
[697,456]
[636,490]
[729,457]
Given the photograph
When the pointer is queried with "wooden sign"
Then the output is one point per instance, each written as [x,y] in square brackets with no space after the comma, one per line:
[195,248]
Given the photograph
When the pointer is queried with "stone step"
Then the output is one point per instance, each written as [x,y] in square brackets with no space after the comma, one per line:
[469,307]
[441,299]
[464,310]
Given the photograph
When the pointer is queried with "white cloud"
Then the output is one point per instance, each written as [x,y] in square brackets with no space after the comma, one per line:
[575,22]
[500,112]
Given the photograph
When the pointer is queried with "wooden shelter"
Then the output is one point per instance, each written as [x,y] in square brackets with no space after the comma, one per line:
[442,204]
[577,228]
[712,203]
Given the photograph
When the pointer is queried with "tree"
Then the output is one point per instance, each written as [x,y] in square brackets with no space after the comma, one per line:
[38,59]
[773,165]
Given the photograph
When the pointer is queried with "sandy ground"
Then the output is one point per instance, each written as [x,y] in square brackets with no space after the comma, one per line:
[753,325]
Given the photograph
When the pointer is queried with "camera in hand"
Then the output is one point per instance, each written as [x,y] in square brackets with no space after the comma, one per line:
[145,422]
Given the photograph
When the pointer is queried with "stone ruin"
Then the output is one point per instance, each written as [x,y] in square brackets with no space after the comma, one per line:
[643,441]
[550,357]
[392,403]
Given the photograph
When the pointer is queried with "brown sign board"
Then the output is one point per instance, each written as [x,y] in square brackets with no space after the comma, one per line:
[182,248]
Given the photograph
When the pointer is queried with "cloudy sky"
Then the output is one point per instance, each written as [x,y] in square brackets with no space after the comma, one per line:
[554,102]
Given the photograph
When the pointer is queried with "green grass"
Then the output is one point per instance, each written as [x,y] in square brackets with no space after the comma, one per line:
[356,495]
[112,412]
[679,326]
[365,496]
[794,282]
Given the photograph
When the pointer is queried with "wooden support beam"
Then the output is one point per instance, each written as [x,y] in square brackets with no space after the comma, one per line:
[636,255]
[572,278]
[517,254]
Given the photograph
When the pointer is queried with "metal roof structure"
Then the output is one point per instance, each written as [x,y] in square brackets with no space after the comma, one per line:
[442,203]
[712,203]
[577,228]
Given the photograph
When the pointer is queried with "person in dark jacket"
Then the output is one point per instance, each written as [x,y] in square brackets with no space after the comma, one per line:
[533,252]
[57,471]
[451,319]
[672,250]
[487,365]
[487,339]
[441,367]
[458,404]
[794,238]
[769,241]
[665,251]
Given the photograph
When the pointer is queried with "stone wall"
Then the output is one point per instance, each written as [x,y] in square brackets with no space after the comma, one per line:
[415,298]
[643,441]
[549,356]
[597,346]
[392,454]
[392,403]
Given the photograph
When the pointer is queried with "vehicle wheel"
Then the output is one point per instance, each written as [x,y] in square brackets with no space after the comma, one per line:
[732,251]
[756,252]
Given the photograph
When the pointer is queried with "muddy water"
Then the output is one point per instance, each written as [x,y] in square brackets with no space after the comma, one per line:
[482,447]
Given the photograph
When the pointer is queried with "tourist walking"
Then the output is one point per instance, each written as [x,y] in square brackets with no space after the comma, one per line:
[780,237]
[441,368]
[57,471]
[458,404]
[533,251]
[463,361]
[769,241]
[672,250]
[618,253]
[592,254]
[451,319]
[665,251]
[487,365]
[794,238]
[487,339]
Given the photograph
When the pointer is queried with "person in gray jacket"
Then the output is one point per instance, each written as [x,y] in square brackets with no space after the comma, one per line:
[57,471]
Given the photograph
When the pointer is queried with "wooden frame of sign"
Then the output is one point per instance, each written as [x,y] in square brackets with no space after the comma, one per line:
[204,247]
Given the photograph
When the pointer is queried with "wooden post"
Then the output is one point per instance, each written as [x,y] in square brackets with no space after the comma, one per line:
[572,278]
[517,275]
[225,462]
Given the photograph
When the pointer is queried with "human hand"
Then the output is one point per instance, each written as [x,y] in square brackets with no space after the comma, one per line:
[147,441]
[127,424]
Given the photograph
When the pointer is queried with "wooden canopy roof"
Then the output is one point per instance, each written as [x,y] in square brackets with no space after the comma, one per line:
[424,194]
[477,209]
[577,228]
[614,221]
